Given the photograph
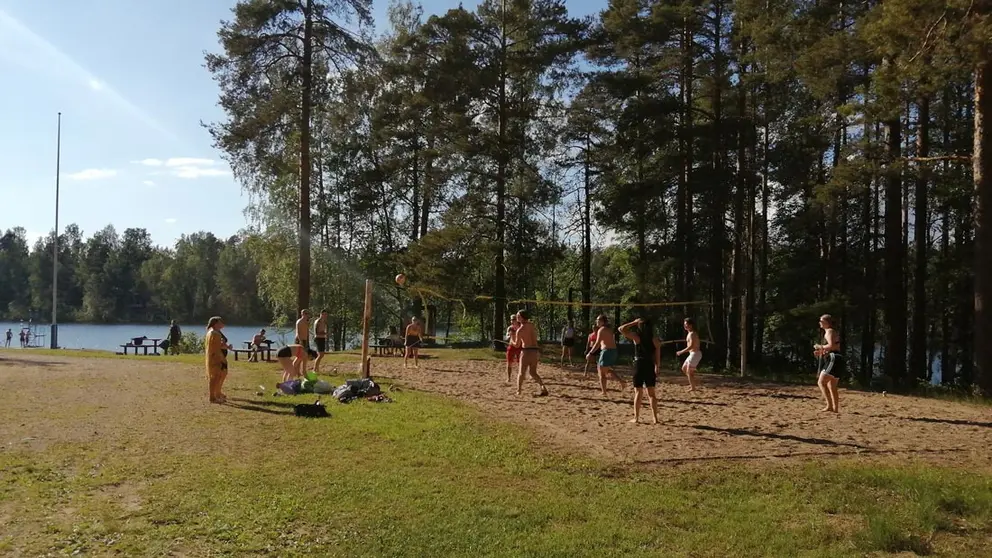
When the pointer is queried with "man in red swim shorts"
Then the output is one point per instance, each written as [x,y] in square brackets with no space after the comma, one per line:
[593,354]
[512,352]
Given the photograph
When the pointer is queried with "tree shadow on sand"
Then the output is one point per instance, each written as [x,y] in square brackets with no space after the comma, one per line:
[773,436]
[959,422]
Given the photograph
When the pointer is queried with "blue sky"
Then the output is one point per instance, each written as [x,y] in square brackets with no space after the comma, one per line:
[128,77]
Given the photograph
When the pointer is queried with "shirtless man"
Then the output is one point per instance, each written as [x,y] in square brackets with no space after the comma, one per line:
[695,354]
[302,332]
[832,364]
[414,336]
[320,339]
[607,344]
[256,345]
[512,351]
[530,352]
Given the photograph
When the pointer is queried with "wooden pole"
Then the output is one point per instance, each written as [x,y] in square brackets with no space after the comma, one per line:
[366,317]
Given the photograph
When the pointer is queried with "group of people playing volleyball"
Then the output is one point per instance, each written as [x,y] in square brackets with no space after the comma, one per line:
[523,351]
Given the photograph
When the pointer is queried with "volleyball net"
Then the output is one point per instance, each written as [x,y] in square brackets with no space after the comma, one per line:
[468,319]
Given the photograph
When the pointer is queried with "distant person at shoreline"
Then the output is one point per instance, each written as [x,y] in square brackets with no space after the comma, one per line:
[216,348]
[9,336]
[175,337]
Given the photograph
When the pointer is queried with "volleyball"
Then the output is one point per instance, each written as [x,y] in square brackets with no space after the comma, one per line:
[400,279]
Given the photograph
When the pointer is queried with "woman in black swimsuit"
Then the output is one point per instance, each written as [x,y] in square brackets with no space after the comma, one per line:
[647,358]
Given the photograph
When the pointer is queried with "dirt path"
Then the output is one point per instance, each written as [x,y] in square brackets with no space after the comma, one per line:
[726,420]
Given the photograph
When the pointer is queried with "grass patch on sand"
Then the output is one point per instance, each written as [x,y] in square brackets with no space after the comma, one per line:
[427,476]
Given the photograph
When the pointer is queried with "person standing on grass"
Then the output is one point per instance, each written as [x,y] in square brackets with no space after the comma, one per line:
[695,353]
[216,348]
[647,359]
[606,342]
[567,342]
[530,353]
[303,330]
[831,364]
[512,350]
[414,337]
[320,339]
[9,336]
[175,337]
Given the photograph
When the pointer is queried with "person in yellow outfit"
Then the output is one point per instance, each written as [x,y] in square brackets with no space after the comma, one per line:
[216,358]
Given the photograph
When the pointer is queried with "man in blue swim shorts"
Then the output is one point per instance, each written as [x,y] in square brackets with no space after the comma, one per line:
[607,344]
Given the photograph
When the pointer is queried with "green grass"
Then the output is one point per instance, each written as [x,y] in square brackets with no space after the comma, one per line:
[197,358]
[427,476]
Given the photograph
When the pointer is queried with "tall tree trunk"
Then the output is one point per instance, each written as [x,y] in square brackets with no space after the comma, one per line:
[686,140]
[499,272]
[738,322]
[894,283]
[306,102]
[427,198]
[587,235]
[982,173]
[415,192]
[869,217]
[759,333]
[947,364]
[718,233]
[921,210]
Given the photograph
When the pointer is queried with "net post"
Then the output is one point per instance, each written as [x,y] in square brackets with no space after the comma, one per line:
[366,316]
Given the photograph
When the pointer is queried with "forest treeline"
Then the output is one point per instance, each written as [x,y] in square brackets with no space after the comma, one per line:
[776,159]
[111,277]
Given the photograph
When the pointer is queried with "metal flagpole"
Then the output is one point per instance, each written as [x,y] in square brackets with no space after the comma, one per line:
[55,244]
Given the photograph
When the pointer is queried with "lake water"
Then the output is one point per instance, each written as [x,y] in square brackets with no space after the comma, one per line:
[110,337]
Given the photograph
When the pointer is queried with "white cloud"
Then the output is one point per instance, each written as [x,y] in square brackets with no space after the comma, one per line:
[198,172]
[171,220]
[148,183]
[188,162]
[92,174]
[187,167]
[95,84]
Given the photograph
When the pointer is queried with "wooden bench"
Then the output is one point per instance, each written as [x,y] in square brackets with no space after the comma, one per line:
[127,346]
[266,353]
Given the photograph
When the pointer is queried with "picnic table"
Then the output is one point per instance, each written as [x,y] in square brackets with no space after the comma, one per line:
[265,350]
[153,345]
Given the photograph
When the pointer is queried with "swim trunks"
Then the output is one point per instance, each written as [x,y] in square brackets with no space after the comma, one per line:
[608,357]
